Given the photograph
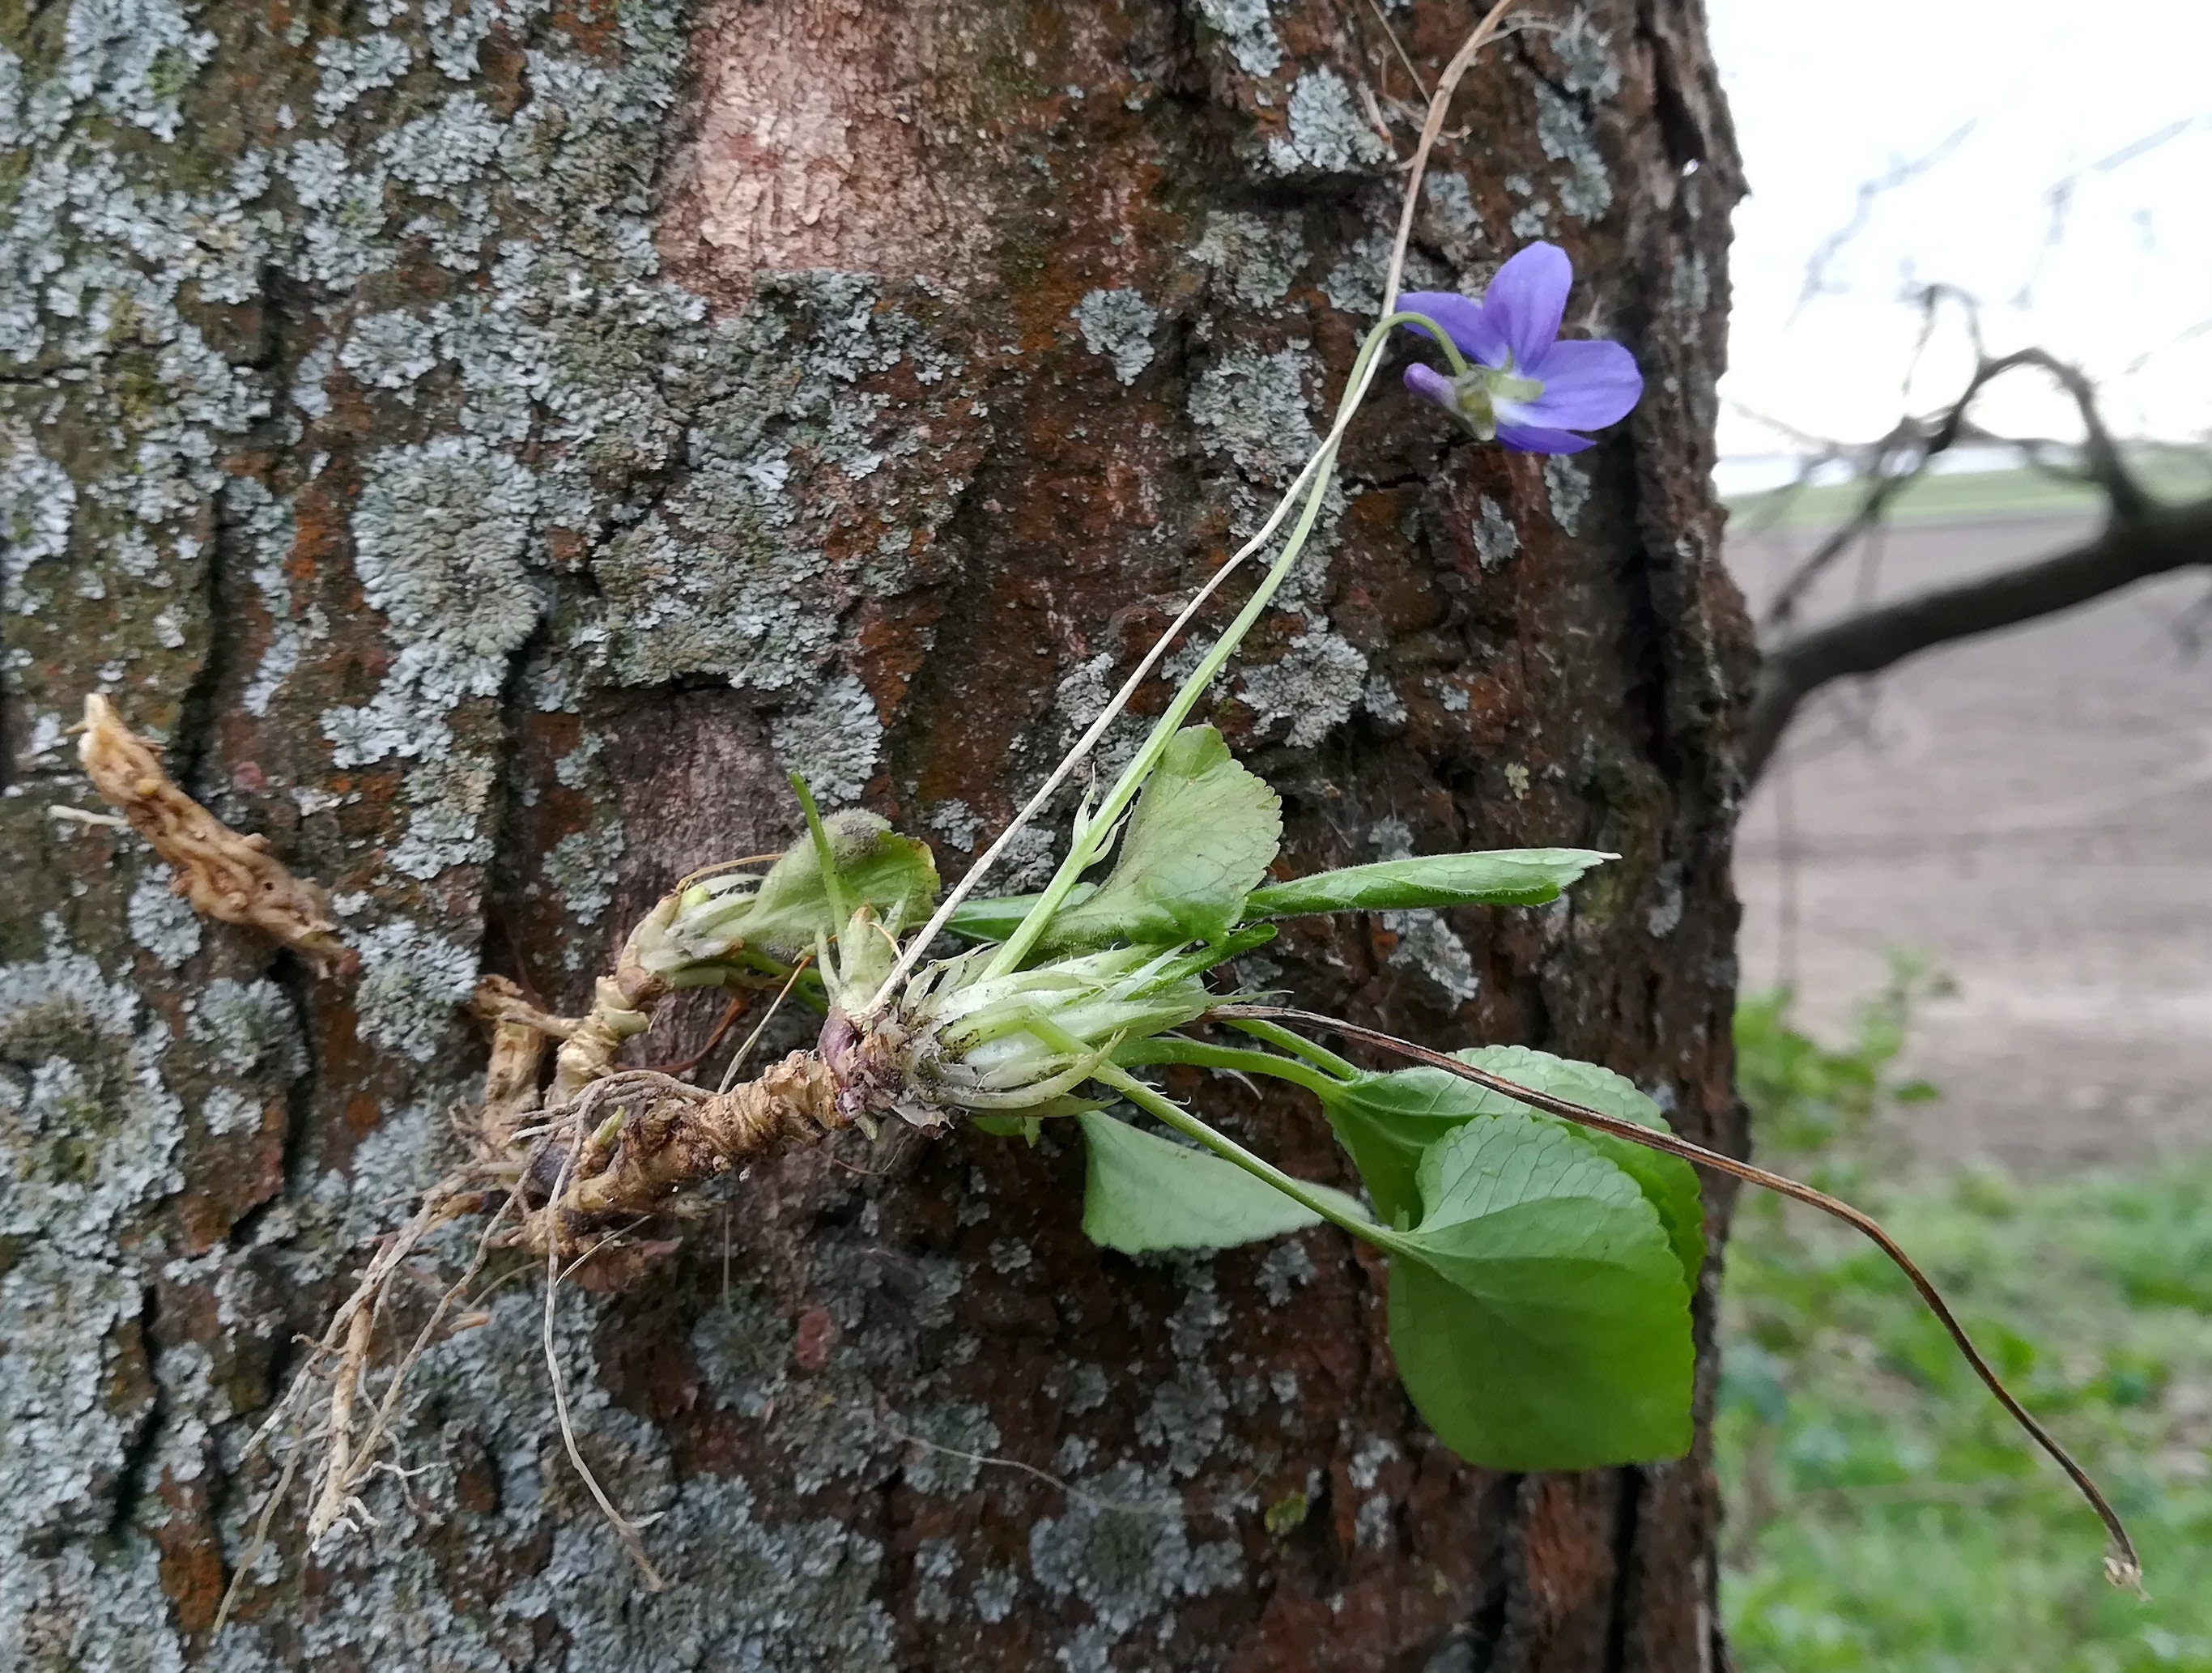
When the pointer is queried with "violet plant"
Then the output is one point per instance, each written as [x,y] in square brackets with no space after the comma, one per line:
[1543,1225]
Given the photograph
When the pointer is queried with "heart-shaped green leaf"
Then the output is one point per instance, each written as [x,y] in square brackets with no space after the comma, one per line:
[1389,1122]
[1538,1313]
[1669,1182]
[1197,843]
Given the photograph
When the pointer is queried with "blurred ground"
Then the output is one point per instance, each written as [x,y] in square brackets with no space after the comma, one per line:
[2033,810]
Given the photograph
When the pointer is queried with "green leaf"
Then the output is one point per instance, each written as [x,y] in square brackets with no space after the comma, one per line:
[896,875]
[1026,1127]
[1504,877]
[1198,841]
[1144,1192]
[1388,1122]
[1668,1182]
[997,918]
[782,914]
[1200,958]
[1538,1314]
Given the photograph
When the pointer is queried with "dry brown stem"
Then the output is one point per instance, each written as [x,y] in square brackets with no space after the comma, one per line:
[519,1033]
[731,1012]
[2123,1566]
[1431,129]
[223,875]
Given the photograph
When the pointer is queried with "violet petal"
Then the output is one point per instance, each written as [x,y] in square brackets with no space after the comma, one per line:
[1462,319]
[1534,439]
[1526,300]
[1587,385]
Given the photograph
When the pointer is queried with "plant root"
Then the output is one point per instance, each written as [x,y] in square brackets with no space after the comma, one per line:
[665,1137]
[223,875]
[344,1462]
[572,1186]
[519,1034]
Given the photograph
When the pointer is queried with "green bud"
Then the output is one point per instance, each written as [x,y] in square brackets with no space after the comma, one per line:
[1022,1040]
[783,913]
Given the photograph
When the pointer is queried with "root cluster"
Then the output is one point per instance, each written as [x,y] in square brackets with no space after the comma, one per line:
[573,1171]
[575,1180]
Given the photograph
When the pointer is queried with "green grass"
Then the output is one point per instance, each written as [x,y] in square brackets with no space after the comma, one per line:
[1883,1512]
[1963,495]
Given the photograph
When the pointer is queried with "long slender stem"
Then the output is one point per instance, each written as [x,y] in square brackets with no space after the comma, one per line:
[1172,1114]
[1172,1049]
[1080,854]
[1432,128]
[2122,1565]
[1362,374]
[1100,823]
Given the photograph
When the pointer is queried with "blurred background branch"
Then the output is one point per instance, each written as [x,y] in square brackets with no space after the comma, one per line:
[2140,538]
[1965,444]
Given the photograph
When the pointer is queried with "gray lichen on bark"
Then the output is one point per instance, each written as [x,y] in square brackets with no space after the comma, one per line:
[380,429]
[259,285]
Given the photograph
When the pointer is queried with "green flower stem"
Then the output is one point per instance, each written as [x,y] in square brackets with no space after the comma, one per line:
[1172,1049]
[918,945]
[833,882]
[1459,366]
[1297,1044]
[1081,854]
[1172,1114]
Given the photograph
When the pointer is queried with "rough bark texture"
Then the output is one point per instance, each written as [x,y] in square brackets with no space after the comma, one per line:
[489,440]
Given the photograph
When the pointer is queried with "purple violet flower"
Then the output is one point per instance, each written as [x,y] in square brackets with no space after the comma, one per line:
[1523,386]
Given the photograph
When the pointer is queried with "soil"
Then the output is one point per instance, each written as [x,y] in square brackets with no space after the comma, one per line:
[2032,810]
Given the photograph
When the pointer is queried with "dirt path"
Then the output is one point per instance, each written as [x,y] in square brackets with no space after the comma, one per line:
[2034,810]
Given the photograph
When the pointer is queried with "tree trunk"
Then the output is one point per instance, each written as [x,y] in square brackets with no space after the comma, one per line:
[488,441]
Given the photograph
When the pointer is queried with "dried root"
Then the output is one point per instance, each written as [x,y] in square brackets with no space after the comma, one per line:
[519,1034]
[223,875]
[665,1137]
[575,1176]
[572,1181]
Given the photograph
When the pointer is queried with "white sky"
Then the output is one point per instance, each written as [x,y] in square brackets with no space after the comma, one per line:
[1826,97]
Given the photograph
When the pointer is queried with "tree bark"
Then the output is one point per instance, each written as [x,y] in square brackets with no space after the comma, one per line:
[489,442]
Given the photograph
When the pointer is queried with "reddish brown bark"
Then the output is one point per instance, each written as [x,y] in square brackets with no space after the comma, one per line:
[591,514]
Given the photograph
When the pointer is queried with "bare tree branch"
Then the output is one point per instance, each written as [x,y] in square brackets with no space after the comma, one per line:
[1902,457]
[2058,197]
[1885,483]
[2100,456]
[2155,540]
[1902,170]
